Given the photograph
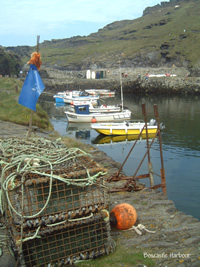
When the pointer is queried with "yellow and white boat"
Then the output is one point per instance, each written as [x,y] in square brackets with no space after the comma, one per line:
[126,128]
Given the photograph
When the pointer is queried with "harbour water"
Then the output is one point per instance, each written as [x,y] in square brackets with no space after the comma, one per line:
[180,143]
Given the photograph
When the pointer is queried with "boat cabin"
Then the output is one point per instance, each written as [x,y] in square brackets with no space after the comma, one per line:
[82,109]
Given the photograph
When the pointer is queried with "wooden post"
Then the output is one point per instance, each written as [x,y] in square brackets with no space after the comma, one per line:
[31,113]
[151,176]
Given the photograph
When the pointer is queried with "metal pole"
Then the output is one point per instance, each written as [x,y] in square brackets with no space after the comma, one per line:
[145,121]
[129,152]
[150,166]
[122,97]
[145,155]
[162,170]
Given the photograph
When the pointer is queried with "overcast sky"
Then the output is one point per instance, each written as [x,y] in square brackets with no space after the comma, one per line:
[22,20]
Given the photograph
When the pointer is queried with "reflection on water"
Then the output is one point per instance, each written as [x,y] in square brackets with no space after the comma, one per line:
[180,141]
[105,139]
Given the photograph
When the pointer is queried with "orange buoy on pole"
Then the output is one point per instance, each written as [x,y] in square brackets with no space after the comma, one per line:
[123,216]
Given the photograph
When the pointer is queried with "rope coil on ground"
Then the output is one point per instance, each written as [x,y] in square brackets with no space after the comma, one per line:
[138,229]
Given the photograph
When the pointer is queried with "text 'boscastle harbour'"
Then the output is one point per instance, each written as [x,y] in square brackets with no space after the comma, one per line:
[164,255]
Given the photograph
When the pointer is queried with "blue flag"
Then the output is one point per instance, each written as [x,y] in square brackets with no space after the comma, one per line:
[32,88]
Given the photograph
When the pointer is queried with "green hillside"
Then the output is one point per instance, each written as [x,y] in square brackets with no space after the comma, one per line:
[9,63]
[164,36]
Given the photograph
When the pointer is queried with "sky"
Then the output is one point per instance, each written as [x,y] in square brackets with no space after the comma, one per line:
[22,20]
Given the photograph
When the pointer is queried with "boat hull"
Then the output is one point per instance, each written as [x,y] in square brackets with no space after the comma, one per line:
[59,99]
[98,117]
[124,129]
[124,132]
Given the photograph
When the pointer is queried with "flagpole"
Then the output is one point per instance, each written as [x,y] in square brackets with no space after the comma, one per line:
[31,113]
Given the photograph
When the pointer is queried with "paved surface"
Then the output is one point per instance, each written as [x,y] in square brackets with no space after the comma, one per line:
[8,129]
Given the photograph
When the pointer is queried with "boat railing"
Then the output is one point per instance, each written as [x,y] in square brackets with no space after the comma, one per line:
[135,121]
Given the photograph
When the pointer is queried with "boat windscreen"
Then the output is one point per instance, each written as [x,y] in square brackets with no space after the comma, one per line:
[82,109]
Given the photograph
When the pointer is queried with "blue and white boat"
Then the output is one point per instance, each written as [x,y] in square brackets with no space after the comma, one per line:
[99,108]
[59,97]
[70,96]
[81,113]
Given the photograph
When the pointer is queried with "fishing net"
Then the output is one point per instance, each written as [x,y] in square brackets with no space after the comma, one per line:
[48,188]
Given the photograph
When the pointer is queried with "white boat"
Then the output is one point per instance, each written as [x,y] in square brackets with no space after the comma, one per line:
[162,75]
[71,98]
[100,92]
[126,128]
[99,108]
[82,113]
[59,97]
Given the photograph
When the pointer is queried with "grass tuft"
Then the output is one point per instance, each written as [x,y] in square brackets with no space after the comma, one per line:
[11,111]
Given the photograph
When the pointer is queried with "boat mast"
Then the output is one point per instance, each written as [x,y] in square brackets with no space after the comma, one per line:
[122,99]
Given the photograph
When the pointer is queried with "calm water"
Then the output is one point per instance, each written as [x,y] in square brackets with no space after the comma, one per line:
[180,142]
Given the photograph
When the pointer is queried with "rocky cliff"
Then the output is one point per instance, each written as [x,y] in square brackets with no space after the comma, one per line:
[164,40]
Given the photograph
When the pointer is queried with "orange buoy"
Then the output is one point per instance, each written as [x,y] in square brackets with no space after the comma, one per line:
[94,120]
[123,216]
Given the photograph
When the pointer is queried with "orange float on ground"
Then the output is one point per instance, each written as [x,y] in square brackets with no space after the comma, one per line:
[123,216]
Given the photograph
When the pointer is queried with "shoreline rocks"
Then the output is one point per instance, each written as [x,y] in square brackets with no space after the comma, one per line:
[134,80]
[176,241]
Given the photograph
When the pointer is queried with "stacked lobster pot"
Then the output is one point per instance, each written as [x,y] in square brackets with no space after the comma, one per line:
[56,207]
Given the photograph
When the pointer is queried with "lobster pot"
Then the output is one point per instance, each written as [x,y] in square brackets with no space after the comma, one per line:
[66,243]
[46,200]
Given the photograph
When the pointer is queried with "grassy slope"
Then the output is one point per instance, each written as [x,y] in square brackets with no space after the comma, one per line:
[11,111]
[120,257]
[134,36]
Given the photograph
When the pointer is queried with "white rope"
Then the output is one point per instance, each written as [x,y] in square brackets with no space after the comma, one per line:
[139,228]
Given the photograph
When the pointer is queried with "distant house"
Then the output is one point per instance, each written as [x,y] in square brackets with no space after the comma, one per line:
[98,74]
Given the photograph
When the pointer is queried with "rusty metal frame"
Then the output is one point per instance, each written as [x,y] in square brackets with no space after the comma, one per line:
[131,180]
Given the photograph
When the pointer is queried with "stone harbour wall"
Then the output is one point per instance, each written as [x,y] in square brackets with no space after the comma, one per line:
[133,80]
